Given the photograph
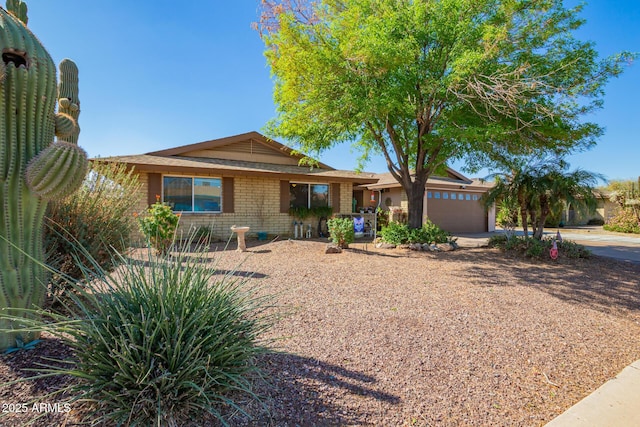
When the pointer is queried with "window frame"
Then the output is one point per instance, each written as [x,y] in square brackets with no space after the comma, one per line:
[193,179]
[309,185]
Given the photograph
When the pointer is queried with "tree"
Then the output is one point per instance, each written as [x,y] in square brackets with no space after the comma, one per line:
[423,82]
[543,188]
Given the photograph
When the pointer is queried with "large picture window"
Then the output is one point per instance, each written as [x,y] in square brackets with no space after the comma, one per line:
[308,195]
[187,194]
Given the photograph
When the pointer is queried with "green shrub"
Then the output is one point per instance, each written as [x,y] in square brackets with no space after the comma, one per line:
[624,222]
[434,234]
[398,234]
[97,217]
[395,233]
[162,342]
[159,226]
[537,249]
[341,231]
[573,250]
[507,214]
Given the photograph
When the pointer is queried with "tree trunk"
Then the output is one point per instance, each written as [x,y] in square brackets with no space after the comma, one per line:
[545,210]
[415,197]
[524,217]
[539,228]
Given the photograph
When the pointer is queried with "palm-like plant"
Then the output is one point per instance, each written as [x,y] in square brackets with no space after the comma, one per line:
[514,187]
[556,187]
[542,188]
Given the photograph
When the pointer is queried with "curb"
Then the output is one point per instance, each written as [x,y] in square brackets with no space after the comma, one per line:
[615,403]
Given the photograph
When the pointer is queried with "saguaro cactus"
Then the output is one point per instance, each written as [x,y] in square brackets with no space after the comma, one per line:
[33,167]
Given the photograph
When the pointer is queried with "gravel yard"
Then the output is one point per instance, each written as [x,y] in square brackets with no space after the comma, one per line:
[400,338]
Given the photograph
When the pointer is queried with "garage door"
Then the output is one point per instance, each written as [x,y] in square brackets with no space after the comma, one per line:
[456,212]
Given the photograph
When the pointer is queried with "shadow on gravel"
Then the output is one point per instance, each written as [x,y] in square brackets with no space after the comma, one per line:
[217,272]
[301,391]
[600,283]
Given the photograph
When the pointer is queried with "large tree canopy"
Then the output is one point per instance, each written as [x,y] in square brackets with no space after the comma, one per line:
[422,82]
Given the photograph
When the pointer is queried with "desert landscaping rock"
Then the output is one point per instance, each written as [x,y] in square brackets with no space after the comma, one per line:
[445,247]
[382,245]
[401,338]
[333,249]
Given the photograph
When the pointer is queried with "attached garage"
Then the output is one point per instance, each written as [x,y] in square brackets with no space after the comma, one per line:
[456,211]
[453,202]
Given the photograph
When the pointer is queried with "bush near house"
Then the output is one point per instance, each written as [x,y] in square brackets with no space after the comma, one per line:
[626,194]
[341,231]
[397,234]
[625,221]
[159,225]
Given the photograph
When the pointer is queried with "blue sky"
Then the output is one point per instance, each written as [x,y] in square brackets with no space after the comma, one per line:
[158,74]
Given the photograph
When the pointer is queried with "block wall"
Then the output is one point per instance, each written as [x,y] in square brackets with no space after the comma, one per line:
[256,204]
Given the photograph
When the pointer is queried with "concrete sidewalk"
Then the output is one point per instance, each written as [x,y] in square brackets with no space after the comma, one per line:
[615,403]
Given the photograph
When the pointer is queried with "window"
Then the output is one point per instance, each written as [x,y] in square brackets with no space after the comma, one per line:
[319,195]
[190,194]
[475,197]
[437,195]
[308,195]
[460,196]
[429,195]
[445,195]
[453,196]
[467,196]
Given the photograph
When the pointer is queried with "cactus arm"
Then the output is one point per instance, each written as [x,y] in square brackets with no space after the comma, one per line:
[68,100]
[60,168]
[57,171]
[18,8]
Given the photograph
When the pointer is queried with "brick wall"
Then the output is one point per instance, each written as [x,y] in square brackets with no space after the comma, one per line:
[256,204]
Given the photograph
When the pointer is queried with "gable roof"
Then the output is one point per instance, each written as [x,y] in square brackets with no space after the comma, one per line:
[247,154]
[452,179]
[250,144]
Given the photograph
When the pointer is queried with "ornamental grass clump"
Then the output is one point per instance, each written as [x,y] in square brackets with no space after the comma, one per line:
[163,341]
[97,217]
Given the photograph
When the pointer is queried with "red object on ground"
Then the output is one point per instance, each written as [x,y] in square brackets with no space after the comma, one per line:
[553,252]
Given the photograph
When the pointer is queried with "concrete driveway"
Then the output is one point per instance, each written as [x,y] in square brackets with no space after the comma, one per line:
[625,247]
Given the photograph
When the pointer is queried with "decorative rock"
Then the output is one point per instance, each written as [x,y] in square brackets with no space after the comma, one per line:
[445,247]
[403,246]
[426,247]
[434,248]
[332,248]
[415,246]
[383,245]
